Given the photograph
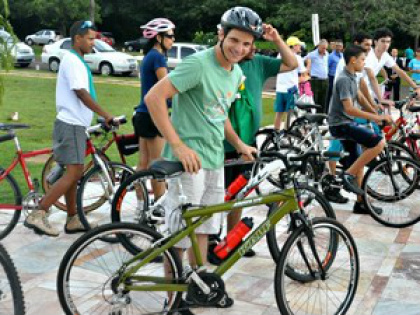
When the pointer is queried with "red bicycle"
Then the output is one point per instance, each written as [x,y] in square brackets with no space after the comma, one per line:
[12,202]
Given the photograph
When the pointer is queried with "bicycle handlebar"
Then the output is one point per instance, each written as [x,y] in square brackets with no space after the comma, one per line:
[119,120]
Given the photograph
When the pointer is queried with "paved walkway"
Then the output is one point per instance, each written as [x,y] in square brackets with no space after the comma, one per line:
[389,280]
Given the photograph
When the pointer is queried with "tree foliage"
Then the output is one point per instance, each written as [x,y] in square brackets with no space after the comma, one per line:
[338,18]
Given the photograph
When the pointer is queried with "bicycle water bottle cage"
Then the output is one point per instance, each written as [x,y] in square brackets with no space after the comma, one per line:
[164,168]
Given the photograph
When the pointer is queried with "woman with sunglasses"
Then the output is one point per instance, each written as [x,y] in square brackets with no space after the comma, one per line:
[160,33]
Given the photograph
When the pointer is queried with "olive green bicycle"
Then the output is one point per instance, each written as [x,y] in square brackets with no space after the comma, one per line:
[317,271]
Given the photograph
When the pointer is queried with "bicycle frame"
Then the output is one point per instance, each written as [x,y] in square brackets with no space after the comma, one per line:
[288,204]
[20,159]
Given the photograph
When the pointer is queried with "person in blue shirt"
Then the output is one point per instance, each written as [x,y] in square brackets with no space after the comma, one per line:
[333,60]
[160,33]
[414,67]
[409,55]
[318,70]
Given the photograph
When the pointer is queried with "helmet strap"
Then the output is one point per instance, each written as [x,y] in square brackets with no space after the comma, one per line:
[222,50]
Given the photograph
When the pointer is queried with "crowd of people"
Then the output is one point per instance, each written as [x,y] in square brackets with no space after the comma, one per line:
[215,98]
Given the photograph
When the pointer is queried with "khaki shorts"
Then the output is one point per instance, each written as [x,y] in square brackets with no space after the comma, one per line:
[204,188]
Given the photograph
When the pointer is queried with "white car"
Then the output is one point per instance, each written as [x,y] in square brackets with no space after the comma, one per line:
[43,37]
[181,50]
[104,59]
[178,52]
[21,53]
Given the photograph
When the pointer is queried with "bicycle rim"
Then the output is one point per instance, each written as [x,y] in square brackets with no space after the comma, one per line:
[88,274]
[332,294]
[96,192]
[312,203]
[398,208]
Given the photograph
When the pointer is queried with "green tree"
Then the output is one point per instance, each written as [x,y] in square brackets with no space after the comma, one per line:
[338,15]
[58,14]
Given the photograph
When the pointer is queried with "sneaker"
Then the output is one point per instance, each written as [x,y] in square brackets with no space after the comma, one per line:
[38,221]
[360,208]
[336,198]
[74,225]
[350,184]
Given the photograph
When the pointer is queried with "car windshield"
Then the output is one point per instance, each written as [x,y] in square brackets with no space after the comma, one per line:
[103,47]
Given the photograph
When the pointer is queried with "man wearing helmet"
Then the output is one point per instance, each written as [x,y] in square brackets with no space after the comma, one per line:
[202,87]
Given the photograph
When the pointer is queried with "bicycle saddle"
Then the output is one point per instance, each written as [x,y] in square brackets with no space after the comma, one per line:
[307,106]
[13,126]
[166,168]
[414,109]
[315,118]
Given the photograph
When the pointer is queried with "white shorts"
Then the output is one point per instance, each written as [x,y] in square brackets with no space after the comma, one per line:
[204,188]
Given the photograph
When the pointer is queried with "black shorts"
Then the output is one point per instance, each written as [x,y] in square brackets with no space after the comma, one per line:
[352,136]
[232,172]
[144,126]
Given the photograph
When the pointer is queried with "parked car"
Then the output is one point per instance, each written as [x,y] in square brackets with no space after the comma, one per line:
[43,37]
[181,50]
[106,37]
[21,53]
[136,45]
[104,59]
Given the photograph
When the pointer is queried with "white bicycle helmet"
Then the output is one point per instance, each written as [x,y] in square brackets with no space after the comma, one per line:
[156,26]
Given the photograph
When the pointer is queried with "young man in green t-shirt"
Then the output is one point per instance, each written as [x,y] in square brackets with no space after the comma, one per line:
[202,87]
[256,69]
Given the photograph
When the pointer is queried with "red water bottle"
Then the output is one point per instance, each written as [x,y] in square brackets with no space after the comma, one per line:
[237,185]
[233,238]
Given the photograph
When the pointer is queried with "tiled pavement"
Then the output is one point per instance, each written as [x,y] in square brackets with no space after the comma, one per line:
[389,280]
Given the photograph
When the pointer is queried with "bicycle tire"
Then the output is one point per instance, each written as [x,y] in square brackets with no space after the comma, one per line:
[90,260]
[399,208]
[10,195]
[51,163]
[298,298]
[382,168]
[133,199]
[11,295]
[276,236]
[93,189]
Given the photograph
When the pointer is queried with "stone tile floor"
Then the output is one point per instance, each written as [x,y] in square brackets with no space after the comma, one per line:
[389,279]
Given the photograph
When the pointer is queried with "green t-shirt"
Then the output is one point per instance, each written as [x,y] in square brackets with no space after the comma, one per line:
[257,71]
[199,110]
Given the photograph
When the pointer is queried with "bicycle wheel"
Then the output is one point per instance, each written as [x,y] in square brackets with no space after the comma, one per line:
[51,163]
[96,193]
[314,205]
[391,194]
[133,201]
[87,281]
[11,295]
[331,289]
[10,204]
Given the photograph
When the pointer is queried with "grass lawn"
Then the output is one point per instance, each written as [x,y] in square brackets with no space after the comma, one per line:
[34,100]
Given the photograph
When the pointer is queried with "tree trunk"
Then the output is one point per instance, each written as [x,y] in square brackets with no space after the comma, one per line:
[416,41]
[92,11]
